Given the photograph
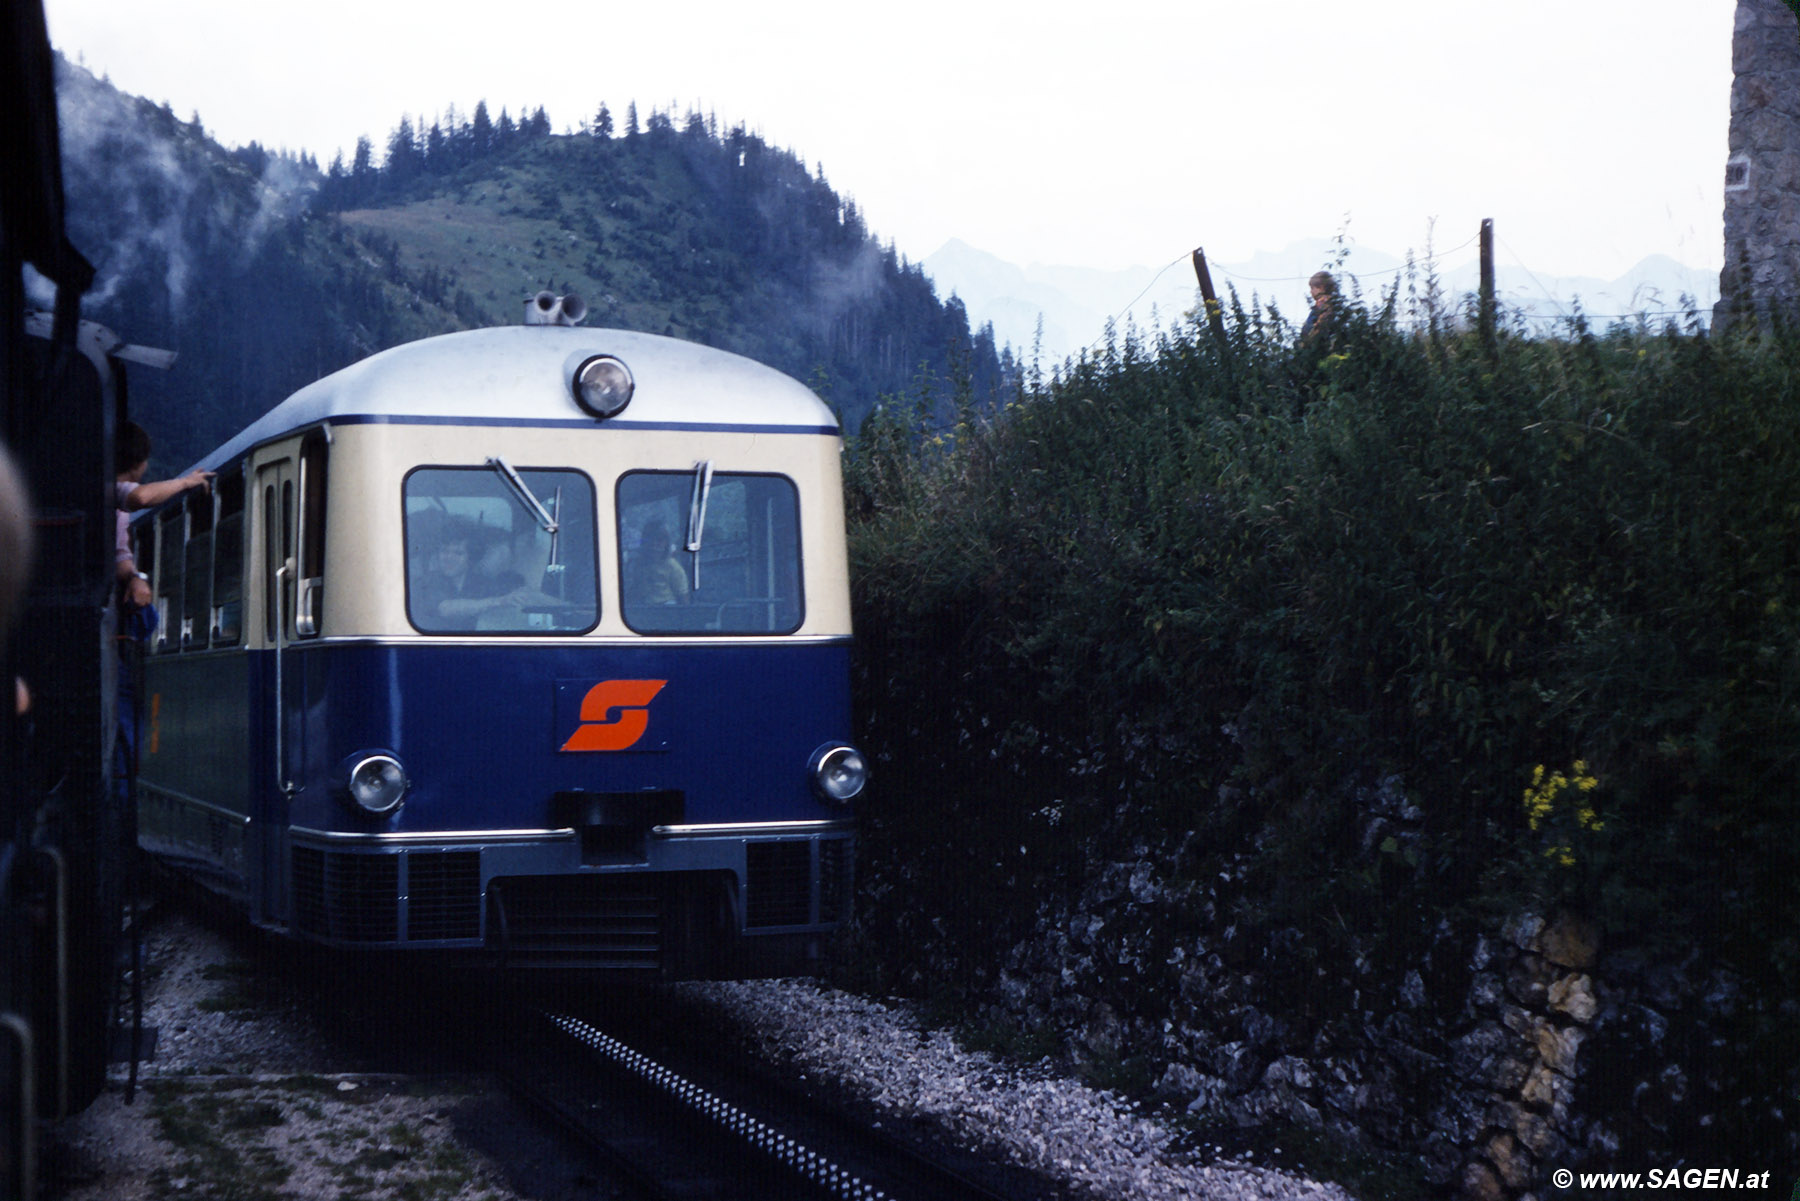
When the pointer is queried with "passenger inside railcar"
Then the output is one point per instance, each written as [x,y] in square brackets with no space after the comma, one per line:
[656,575]
[480,561]
[455,592]
[493,572]
[738,563]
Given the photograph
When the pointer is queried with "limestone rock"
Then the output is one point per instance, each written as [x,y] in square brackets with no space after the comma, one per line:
[1528,981]
[1571,942]
[1548,1090]
[1557,1047]
[1524,931]
[1509,1159]
[1574,995]
[1480,1182]
[1179,1080]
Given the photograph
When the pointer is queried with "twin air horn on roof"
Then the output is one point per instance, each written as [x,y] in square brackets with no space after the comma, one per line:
[602,384]
[547,308]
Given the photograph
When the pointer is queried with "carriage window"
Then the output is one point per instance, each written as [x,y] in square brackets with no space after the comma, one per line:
[311,584]
[500,550]
[709,553]
[143,546]
[228,563]
[271,552]
[171,532]
[196,607]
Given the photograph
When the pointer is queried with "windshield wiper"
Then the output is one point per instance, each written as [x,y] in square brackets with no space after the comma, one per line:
[703,473]
[530,502]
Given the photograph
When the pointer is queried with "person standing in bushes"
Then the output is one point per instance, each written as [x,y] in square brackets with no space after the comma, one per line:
[1318,321]
[1314,342]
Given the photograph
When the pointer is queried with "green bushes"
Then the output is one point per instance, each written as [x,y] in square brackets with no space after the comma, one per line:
[1170,600]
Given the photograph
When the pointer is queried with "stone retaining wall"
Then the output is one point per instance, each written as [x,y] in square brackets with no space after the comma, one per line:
[1536,1004]
[1494,1059]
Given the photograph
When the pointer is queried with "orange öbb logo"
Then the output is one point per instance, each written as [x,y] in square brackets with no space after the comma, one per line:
[614,715]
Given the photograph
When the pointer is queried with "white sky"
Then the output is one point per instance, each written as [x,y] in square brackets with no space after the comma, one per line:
[1099,135]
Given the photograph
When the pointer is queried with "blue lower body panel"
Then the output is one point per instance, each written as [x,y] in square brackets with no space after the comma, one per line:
[602,805]
[690,904]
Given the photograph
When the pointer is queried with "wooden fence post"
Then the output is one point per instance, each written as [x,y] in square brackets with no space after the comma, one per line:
[1486,312]
[1215,316]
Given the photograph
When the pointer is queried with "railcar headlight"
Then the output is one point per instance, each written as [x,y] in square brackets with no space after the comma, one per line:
[838,772]
[603,386]
[375,781]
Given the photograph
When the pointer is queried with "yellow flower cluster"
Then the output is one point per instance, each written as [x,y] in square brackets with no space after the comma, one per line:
[1541,798]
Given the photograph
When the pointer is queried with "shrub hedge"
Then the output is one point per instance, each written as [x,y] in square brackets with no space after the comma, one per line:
[1186,595]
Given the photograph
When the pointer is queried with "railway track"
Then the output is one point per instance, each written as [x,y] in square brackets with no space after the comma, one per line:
[721,1129]
[648,1098]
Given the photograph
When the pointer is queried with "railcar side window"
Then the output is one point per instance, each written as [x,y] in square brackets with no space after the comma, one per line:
[271,552]
[171,532]
[309,620]
[498,550]
[708,553]
[143,547]
[196,607]
[228,562]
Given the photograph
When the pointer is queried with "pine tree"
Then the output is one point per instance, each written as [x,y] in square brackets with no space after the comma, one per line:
[631,120]
[362,172]
[402,152]
[456,137]
[481,132]
[603,125]
[331,191]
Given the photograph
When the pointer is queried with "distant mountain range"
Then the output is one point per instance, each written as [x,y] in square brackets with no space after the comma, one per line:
[1075,303]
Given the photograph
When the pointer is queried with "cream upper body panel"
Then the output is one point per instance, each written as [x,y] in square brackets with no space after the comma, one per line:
[520,375]
[461,400]
[365,539]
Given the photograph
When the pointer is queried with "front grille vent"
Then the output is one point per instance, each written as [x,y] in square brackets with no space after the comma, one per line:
[778,887]
[586,921]
[834,880]
[443,895]
[346,898]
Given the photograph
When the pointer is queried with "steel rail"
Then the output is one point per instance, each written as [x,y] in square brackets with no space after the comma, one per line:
[835,1181]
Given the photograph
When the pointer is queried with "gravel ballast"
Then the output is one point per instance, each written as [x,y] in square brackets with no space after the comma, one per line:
[248,1088]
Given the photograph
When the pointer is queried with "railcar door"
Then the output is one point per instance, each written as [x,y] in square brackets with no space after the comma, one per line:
[290,556]
[277,510]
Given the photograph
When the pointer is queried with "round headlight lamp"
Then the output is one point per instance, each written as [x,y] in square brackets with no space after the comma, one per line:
[602,386]
[838,772]
[376,782]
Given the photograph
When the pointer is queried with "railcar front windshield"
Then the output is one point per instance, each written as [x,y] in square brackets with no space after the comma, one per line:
[481,559]
[709,553]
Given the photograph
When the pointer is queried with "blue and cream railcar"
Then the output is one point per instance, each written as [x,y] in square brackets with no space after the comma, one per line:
[531,639]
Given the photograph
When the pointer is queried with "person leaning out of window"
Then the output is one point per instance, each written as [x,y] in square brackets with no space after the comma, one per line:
[132,460]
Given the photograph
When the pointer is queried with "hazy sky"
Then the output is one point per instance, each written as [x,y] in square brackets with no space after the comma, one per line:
[1111,135]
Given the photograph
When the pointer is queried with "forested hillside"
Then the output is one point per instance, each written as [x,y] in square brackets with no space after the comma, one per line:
[264,271]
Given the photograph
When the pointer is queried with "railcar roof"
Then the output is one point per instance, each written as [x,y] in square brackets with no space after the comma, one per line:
[518,375]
